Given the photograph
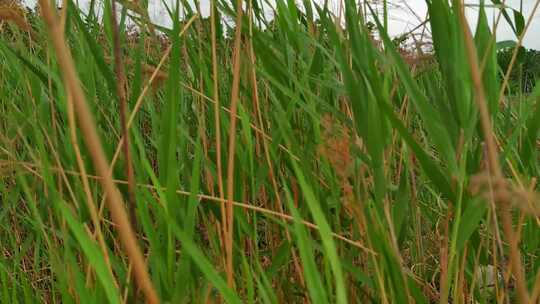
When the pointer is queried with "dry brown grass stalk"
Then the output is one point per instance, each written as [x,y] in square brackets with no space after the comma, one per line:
[86,187]
[121,87]
[158,76]
[245,205]
[140,99]
[260,121]
[217,120]
[232,143]
[495,170]
[95,148]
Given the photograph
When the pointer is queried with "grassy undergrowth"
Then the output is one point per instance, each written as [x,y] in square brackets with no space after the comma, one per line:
[303,158]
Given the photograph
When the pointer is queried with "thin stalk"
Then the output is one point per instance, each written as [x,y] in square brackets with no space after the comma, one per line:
[245,205]
[493,157]
[255,94]
[155,74]
[86,187]
[232,143]
[121,87]
[140,99]
[217,120]
[95,148]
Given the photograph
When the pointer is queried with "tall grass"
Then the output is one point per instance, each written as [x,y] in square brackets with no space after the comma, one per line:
[303,158]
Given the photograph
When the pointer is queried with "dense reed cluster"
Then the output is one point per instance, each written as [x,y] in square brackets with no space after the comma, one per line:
[305,157]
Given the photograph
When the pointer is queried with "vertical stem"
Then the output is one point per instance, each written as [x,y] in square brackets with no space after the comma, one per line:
[232,142]
[217,120]
[255,94]
[493,158]
[122,99]
[95,148]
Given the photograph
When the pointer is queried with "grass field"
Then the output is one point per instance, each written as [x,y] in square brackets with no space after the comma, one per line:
[308,158]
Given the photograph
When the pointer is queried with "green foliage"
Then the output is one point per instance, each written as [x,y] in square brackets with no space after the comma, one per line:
[353,159]
[526,69]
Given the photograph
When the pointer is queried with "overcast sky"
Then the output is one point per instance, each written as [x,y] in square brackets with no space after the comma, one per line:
[407,14]
[404,16]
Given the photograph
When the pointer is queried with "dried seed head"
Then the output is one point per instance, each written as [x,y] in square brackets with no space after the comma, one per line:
[335,146]
[14,14]
[502,191]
